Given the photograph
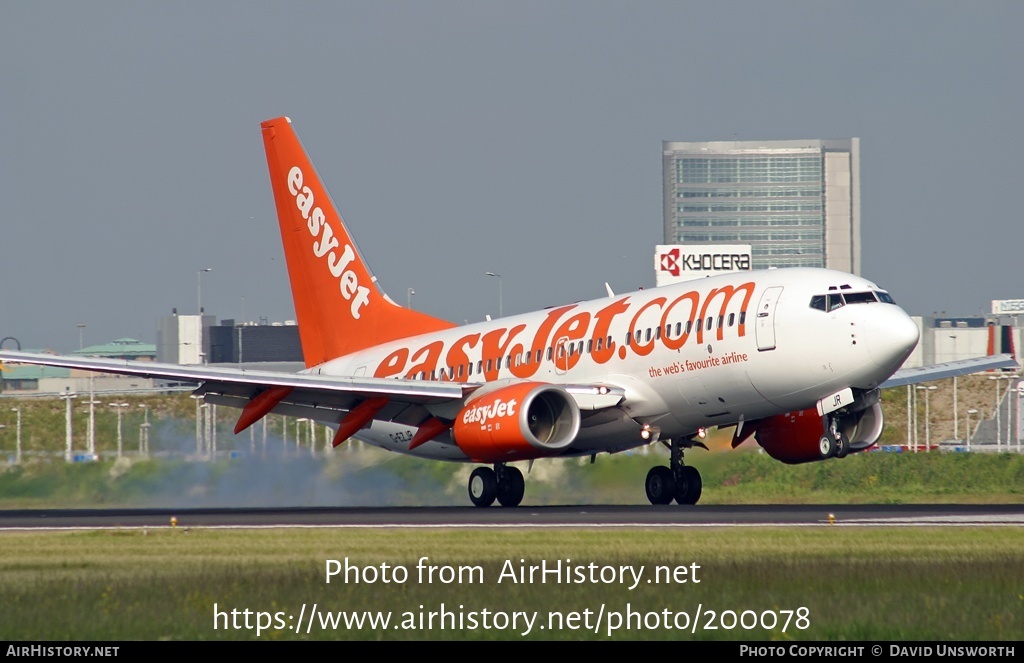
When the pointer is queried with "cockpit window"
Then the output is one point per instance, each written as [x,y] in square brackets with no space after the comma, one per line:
[860,297]
[834,300]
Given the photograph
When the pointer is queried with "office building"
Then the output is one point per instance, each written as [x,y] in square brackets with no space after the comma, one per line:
[795,202]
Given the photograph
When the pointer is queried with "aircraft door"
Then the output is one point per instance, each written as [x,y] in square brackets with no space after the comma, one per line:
[562,355]
[764,330]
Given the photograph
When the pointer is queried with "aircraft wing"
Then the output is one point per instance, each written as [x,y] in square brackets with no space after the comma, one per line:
[906,376]
[323,398]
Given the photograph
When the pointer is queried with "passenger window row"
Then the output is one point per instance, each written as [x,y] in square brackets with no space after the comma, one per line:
[640,336]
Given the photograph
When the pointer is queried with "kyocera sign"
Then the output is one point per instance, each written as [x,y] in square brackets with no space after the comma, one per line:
[675,263]
[1007,306]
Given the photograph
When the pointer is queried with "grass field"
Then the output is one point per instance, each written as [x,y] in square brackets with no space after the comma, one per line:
[364,476]
[845,583]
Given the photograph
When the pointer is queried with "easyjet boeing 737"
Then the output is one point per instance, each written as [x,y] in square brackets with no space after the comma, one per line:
[794,358]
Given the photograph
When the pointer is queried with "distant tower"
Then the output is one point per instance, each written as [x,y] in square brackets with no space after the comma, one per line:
[796,202]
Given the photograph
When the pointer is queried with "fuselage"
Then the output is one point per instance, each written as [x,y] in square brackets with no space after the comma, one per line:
[712,352]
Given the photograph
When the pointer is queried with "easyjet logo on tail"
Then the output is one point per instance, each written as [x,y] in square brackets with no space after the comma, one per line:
[326,247]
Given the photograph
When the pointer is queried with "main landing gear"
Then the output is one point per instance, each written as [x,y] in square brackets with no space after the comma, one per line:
[504,483]
[833,441]
[678,482]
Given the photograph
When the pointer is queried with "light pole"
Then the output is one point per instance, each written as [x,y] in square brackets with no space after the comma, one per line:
[68,395]
[927,420]
[199,289]
[916,437]
[995,411]
[969,413]
[999,411]
[17,452]
[1009,410]
[144,431]
[1020,417]
[119,407]
[501,288]
[81,338]
[91,444]
[408,297]
[910,437]
[199,425]
[298,438]
[956,419]
[205,407]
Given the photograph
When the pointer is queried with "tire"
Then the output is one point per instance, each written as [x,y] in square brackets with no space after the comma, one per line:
[827,446]
[842,446]
[483,487]
[694,486]
[511,488]
[660,485]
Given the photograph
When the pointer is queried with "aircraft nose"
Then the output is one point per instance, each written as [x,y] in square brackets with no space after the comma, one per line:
[891,336]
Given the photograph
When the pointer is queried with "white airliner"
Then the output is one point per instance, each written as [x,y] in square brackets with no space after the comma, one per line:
[793,357]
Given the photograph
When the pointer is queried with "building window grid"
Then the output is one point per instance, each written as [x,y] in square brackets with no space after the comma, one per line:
[748,169]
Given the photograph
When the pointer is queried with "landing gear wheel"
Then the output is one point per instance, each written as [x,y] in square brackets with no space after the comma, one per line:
[483,486]
[660,485]
[826,446]
[511,487]
[842,446]
[689,490]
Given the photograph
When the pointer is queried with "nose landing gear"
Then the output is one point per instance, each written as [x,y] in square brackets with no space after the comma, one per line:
[833,442]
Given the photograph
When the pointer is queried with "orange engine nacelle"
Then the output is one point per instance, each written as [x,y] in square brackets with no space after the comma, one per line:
[517,422]
[793,437]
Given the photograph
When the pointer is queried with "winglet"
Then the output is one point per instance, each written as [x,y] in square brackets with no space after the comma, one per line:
[340,308]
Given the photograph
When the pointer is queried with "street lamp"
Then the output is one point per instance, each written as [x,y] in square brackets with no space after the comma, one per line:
[199,288]
[199,426]
[918,388]
[408,297]
[969,413]
[927,419]
[927,432]
[92,403]
[144,431]
[998,411]
[1020,417]
[17,453]
[205,407]
[501,288]
[910,437]
[68,395]
[956,419]
[119,407]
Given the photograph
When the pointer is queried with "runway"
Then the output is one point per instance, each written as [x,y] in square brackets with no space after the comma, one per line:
[872,515]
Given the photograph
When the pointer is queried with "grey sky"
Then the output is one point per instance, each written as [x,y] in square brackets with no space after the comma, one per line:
[464,137]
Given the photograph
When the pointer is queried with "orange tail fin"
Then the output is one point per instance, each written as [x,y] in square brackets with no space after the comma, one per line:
[339,307]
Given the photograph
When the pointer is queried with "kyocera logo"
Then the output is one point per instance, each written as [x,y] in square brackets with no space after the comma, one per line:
[717,261]
[482,413]
[327,244]
[670,262]
[674,263]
